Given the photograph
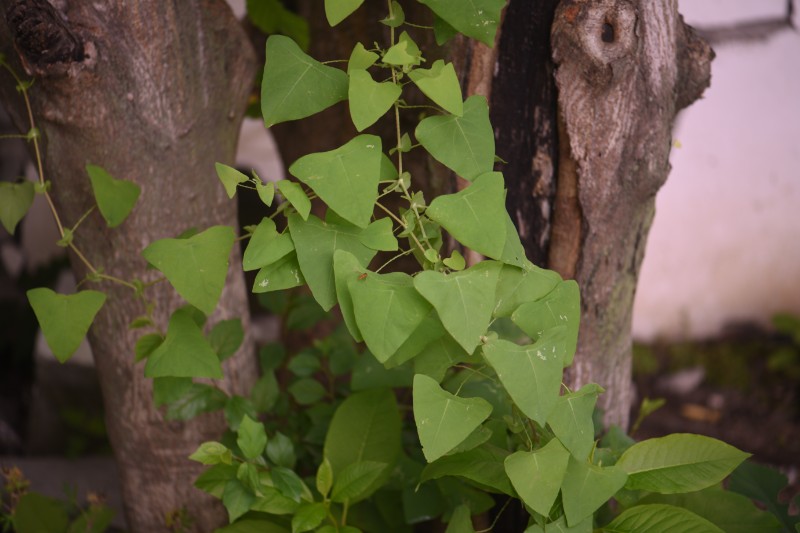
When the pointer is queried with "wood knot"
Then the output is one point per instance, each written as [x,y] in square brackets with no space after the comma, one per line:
[571,13]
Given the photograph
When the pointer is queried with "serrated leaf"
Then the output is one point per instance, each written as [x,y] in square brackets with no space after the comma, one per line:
[369,100]
[146,345]
[115,198]
[679,463]
[571,420]
[531,374]
[483,465]
[379,236]
[345,178]
[65,319]
[440,84]
[212,453]
[288,483]
[252,437]
[15,200]
[283,274]
[561,307]
[658,518]
[464,144]
[266,246]
[338,10]
[230,178]
[225,337]
[387,310]
[586,487]
[196,267]
[537,475]
[517,286]
[463,300]
[354,482]
[476,215]
[295,85]
[184,352]
[443,419]
[479,20]
[316,241]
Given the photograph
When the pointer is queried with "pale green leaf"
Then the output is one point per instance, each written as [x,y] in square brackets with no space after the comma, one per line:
[531,374]
[296,196]
[346,268]
[266,246]
[405,53]
[482,465]
[266,192]
[115,198]
[379,236]
[571,420]
[537,475]
[196,267]
[338,10]
[440,84]
[476,215]
[184,352]
[252,437]
[477,19]
[345,178]
[456,261]
[230,178]
[659,518]
[324,477]
[357,480]
[561,307]
[443,419]
[361,58]
[316,241]
[225,337]
[464,144]
[15,200]
[517,286]
[65,319]
[586,487]
[369,100]
[396,16]
[463,300]
[295,85]
[679,463]
[283,274]
[212,453]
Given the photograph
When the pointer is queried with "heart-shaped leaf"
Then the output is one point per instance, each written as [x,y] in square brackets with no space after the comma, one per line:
[185,352]
[517,286]
[338,10]
[282,274]
[230,178]
[571,420]
[196,267]
[369,100]
[65,319]
[440,84]
[379,236]
[537,475]
[115,198]
[15,200]
[296,196]
[361,58]
[266,246]
[586,487]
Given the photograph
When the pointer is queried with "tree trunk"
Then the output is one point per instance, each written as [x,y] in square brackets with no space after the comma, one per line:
[154,92]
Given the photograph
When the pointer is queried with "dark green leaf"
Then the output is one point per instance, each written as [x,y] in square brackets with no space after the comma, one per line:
[35,513]
[517,286]
[307,391]
[146,345]
[237,499]
[271,17]
[763,484]
[265,392]
[483,465]
[197,399]
[368,373]
[280,450]
[338,10]
[236,408]
[225,337]
[288,483]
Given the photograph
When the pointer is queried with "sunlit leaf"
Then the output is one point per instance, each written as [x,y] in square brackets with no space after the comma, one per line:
[440,84]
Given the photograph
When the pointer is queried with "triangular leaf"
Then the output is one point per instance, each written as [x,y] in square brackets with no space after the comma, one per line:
[537,475]
[361,58]
[440,84]
[443,419]
[338,10]
[65,319]
[282,274]
[230,178]
[571,420]
[296,196]
[437,357]
[115,198]
[346,178]
[369,100]
[464,144]
[196,267]
[379,236]
[295,85]
[266,246]
[561,307]
[483,465]
[15,200]
[463,300]
[479,20]
[476,215]
[346,268]
[517,286]
[586,487]
[405,53]
[266,192]
[184,352]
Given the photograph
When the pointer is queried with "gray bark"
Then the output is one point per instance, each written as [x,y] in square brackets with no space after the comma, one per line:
[154,92]
[624,70]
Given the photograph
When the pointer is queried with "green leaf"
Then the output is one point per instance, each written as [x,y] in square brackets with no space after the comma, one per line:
[65,319]
[308,516]
[571,420]
[479,20]
[266,192]
[248,474]
[252,525]
[196,267]
[443,419]
[212,453]
[369,100]
[252,437]
[266,246]
[114,197]
[657,518]
[440,84]
[396,17]
[345,178]
[230,178]
[236,408]
[379,236]
[288,483]
[463,300]
[405,53]
[531,374]
[280,450]
[356,481]
[184,352]
[338,10]
[304,364]
[316,242]
[483,465]
[561,307]
[442,31]
[307,391]
[436,358]
[387,310]
[456,261]
[763,484]
[196,399]
[296,196]
[464,144]
[346,268]
[146,344]
[213,480]
[15,200]
[517,286]
[237,499]
[324,477]
[225,337]
[429,330]
[537,475]
[361,58]
[273,502]
[35,513]
[167,390]
[460,521]
[586,487]
[265,392]
[295,85]
[270,17]
[560,526]
[368,373]
[283,274]
[679,463]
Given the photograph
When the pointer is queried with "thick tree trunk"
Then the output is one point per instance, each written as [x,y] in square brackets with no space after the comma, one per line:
[154,92]
[625,69]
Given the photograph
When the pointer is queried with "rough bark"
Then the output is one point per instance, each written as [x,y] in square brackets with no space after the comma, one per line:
[154,92]
[625,68]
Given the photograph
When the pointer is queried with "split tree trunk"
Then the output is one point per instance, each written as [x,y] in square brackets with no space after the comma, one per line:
[154,92]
